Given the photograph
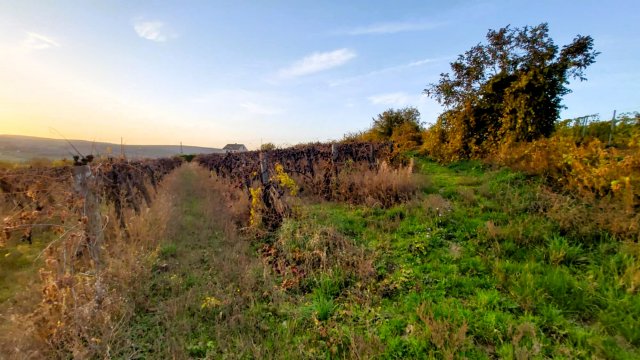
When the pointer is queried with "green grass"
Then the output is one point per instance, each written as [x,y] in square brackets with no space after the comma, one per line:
[474,269]
[19,264]
[168,251]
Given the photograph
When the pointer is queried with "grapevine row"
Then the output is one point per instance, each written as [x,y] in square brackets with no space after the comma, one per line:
[311,161]
[48,196]
[316,167]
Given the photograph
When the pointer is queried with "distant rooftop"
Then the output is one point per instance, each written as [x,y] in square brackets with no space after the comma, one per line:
[235,147]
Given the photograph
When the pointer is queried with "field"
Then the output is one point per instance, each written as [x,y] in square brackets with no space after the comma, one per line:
[333,253]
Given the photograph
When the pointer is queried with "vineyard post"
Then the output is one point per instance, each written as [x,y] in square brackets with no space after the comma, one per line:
[84,181]
[334,152]
[264,170]
[371,156]
[334,159]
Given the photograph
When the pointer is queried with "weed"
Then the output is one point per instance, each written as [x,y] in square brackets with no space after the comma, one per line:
[323,307]
[168,251]
[447,336]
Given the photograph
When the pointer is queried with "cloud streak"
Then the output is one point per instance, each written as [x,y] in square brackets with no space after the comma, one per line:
[152,30]
[235,102]
[39,42]
[317,62]
[386,70]
[391,28]
[395,99]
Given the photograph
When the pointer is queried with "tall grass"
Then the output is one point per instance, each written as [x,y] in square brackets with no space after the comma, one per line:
[382,186]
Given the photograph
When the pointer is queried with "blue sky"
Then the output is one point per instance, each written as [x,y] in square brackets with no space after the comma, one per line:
[213,72]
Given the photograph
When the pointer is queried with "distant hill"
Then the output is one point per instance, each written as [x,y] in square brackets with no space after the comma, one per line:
[17,148]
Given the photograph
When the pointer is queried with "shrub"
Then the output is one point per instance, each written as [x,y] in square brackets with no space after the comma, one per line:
[606,182]
[402,127]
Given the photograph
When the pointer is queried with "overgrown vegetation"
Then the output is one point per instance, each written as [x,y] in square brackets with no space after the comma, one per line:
[604,181]
[480,266]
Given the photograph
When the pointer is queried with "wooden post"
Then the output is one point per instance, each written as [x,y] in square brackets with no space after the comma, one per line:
[83,179]
[613,124]
[334,160]
[371,156]
[264,170]
[84,182]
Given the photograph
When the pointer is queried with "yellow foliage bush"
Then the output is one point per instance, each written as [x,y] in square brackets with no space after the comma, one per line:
[256,204]
[589,170]
[284,180]
[607,179]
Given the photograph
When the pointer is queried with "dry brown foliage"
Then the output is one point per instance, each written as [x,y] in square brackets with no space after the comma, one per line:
[303,251]
[83,306]
[361,184]
[385,186]
[586,218]
[525,342]
[447,337]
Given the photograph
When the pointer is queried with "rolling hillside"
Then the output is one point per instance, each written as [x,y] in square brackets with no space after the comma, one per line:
[16,148]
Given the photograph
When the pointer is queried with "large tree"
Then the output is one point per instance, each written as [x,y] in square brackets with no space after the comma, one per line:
[509,89]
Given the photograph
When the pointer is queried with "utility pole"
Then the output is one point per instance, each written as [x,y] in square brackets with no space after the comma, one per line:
[613,124]
[181,152]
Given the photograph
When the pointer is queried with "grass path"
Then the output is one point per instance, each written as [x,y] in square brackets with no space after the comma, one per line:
[202,282]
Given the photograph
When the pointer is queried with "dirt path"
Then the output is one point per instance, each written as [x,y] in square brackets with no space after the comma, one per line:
[203,282]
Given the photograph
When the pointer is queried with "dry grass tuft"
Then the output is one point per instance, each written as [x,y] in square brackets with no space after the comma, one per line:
[302,251]
[436,204]
[359,184]
[448,337]
[385,187]
[467,195]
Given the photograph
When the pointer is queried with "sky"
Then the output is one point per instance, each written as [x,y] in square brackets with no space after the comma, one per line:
[209,73]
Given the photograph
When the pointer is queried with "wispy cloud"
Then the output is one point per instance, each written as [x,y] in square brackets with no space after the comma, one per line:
[391,28]
[153,30]
[39,42]
[422,62]
[317,62]
[260,109]
[387,70]
[396,99]
[235,102]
